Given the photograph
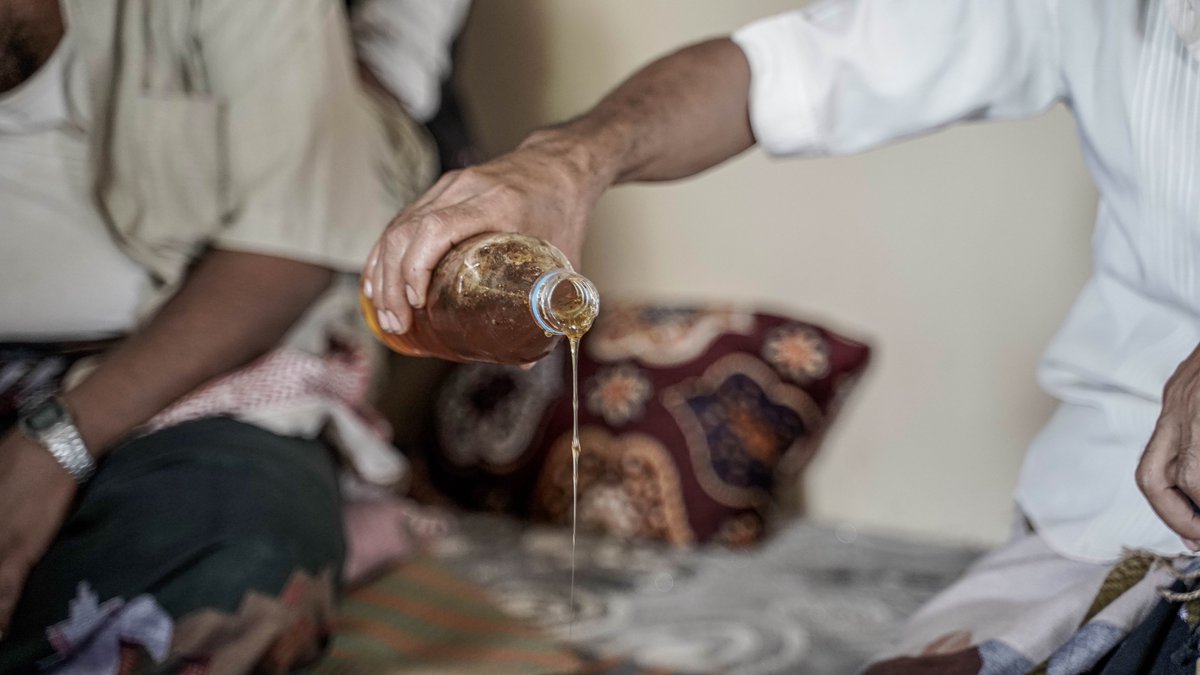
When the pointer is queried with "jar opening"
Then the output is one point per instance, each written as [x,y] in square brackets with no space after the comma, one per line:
[564,302]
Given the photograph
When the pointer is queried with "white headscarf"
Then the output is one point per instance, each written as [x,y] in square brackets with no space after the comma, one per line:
[1185,17]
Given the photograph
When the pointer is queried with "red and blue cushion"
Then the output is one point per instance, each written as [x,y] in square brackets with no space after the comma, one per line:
[687,417]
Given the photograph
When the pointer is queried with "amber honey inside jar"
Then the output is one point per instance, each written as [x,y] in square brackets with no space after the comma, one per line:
[500,298]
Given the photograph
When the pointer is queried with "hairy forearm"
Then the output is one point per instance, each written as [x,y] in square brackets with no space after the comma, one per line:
[676,117]
[232,308]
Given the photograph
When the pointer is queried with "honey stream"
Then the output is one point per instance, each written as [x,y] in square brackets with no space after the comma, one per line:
[575,450]
[576,317]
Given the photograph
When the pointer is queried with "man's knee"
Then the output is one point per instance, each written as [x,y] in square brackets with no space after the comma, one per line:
[197,516]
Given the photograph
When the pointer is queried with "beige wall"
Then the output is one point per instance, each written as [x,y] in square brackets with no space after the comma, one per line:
[955,255]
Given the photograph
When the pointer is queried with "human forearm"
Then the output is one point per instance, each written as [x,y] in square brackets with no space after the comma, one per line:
[232,308]
[676,117]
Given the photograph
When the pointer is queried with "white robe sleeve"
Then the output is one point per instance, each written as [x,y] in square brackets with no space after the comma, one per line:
[842,76]
[407,45]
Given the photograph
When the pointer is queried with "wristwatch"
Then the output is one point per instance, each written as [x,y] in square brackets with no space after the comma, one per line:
[49,424]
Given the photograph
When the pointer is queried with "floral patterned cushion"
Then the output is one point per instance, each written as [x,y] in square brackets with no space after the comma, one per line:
[687,417]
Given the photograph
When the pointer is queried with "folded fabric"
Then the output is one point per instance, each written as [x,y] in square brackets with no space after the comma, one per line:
[1185,18]
[422,618]
[1024,608]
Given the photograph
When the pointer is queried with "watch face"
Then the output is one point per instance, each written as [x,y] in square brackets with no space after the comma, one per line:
[44,416]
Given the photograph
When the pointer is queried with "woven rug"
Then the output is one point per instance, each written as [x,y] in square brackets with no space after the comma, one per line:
[813,599]
[495,598]
[422,618]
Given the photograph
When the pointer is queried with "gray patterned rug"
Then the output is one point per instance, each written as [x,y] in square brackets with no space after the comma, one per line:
[814,599]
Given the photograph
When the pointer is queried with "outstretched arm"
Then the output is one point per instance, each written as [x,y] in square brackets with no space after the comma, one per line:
[232,308]
[676,117]
[834,78]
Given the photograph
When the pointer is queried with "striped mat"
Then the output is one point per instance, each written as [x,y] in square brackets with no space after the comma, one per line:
[420,618]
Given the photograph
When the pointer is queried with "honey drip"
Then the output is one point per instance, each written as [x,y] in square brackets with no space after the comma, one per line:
[575,451]
[576,318]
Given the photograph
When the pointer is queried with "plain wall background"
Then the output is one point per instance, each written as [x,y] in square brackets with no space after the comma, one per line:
[955,255]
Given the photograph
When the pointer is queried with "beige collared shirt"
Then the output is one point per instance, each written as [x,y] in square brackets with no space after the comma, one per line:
[239,125]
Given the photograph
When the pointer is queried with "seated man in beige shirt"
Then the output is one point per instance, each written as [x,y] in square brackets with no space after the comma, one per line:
[186,190]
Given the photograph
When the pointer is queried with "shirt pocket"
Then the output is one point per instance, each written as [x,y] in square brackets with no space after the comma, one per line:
[167,197]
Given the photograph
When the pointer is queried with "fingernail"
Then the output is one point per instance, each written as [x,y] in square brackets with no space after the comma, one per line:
[382,317]
[367,289]
[393,324]
[401,326]
[1192,545]
[412,296]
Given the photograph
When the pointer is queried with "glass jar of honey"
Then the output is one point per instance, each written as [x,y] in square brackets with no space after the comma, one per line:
[500,298]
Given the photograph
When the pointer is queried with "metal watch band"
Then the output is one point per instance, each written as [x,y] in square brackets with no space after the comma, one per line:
[61,439]
[64,443]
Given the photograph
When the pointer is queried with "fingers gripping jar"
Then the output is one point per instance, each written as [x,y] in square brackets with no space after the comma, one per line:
[499,298]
